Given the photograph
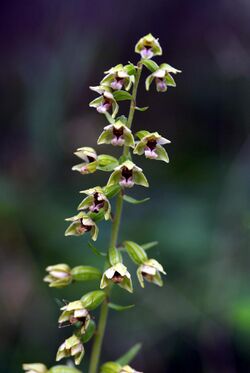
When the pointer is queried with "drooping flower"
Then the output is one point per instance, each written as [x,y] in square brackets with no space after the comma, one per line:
[81,223]
[59,275]
[35,368]
[148,47]
[95,201]
[162,78]
[118,77]
[89,157]
[117,134]
[71,347]
[106,102]
[75,312]
[150,145]
[128,174]
[151,271]
[117,274]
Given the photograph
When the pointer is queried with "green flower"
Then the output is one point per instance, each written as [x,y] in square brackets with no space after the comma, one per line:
[71,347]
[89,157]
[117,274]
[58,276]
[96,201]
[81,223]
[162,78]
[117,134]
[35,368]
[118,77]
[105,102]
[127,174]
[148,47]
[74,312]
[151,271]
[150,145]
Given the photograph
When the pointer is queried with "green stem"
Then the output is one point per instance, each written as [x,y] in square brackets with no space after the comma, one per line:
[97,345]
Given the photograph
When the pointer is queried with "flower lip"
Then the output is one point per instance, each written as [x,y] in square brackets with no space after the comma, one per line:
[117,278]
[98,203]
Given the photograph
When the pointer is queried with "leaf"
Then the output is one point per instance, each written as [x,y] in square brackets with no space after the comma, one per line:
[117,307]
[122,95]
[95,250]
[134,201]
[150,65]
[89,332]
[149,245]
[141,108]
[130,355]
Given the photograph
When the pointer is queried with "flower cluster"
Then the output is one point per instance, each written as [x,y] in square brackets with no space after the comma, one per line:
[120,83]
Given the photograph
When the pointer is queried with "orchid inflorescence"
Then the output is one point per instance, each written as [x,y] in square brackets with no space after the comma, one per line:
[120,83]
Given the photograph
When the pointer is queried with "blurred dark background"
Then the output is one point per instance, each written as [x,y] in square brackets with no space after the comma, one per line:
[51,51]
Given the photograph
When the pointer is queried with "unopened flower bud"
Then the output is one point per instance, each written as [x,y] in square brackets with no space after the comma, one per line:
[35,368]
[59,275]
[150,145]
[81,224]
[71,347]
[75,312]
[148,47]
[117,134]
[118,274]
[151,271]
[128,174]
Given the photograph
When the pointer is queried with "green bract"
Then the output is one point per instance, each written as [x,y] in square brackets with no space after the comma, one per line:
[148,47]
[95,202]
[117,134]
[35,368]
[71,347]
[118,77]
[59,275]
[128,174]
[81,224]
[106,102]
[150,144]
[117,274]
[162,78]
[151,271]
